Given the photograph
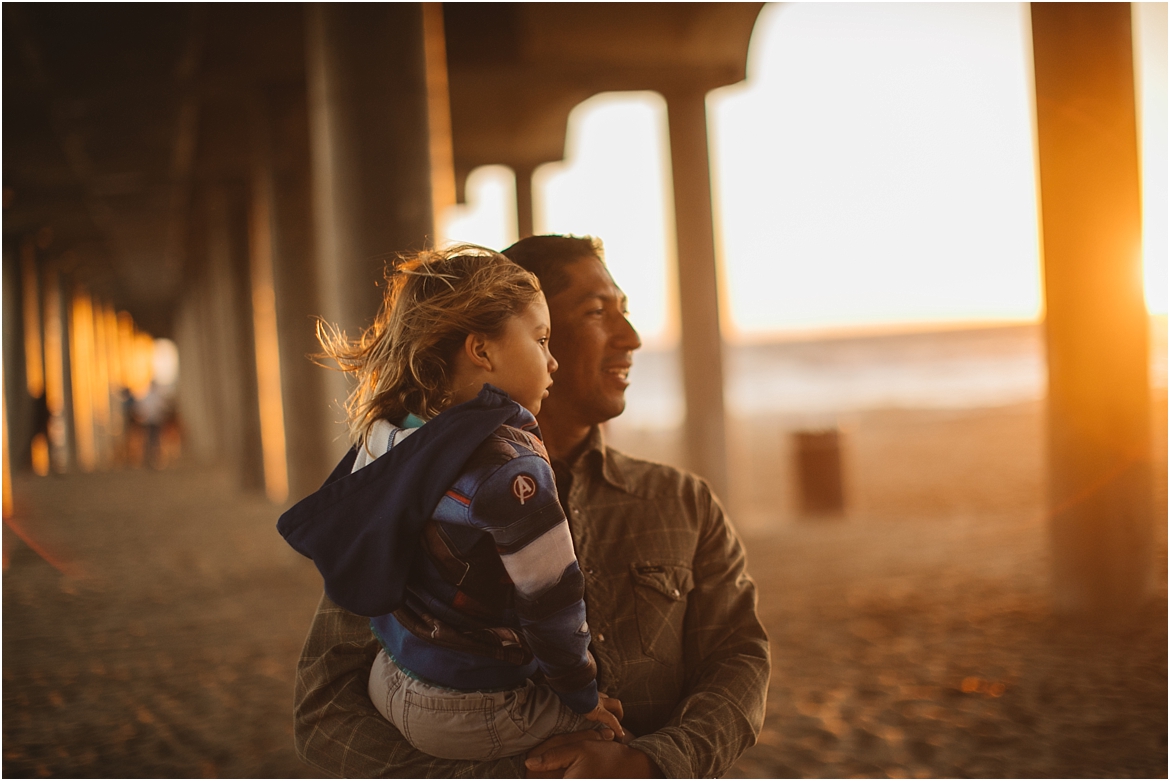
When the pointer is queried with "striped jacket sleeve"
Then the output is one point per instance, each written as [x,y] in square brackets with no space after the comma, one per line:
[517,505]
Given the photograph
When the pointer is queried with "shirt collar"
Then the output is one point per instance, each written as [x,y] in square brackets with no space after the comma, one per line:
[599,460]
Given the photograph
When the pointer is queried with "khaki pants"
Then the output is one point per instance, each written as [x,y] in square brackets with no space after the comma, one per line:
[453,724]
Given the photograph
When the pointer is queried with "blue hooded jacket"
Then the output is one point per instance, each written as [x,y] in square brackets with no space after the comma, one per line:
[454,542]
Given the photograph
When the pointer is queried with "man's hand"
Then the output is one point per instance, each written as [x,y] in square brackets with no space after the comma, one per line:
[587,755]
[556,741]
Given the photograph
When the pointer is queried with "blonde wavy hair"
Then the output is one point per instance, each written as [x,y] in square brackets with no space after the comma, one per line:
[433,300]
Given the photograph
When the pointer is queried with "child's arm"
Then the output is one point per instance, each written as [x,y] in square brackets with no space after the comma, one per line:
[518,506]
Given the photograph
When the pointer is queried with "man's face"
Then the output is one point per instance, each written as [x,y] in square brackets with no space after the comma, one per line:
[594,345]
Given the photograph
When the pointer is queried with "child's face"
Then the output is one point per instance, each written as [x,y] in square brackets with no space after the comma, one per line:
[522,366]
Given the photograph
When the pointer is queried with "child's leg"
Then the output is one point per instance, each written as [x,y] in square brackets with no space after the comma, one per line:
[536,714]
[469,725]
[385,680]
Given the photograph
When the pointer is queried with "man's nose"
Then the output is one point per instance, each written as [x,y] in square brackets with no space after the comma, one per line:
[626,336]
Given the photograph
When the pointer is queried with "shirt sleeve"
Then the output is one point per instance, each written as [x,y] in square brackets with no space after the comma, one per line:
[726,656]
[337,729]
[518,506]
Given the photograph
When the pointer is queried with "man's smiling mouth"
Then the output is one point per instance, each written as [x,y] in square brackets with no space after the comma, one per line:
[622,372]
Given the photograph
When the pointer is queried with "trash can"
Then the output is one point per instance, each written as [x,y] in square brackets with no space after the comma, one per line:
[818,469]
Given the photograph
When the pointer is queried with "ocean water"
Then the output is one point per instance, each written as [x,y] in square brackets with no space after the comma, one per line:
[954,369]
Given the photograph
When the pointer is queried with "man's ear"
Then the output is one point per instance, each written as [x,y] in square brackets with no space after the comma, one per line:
[475,348]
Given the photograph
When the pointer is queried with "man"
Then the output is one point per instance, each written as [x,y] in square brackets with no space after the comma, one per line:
[670,605]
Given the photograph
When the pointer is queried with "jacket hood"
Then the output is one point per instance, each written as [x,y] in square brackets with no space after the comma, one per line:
[361,529]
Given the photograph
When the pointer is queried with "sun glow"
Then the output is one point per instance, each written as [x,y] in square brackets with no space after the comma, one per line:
[615,184]
[875,170]
[1150,69]
[489,216]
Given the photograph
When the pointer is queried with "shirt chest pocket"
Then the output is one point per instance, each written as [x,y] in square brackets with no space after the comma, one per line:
[660,605]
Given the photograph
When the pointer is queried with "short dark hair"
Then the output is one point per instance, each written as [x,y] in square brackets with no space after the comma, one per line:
[547,257]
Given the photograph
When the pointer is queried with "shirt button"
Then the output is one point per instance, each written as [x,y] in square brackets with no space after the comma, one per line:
[674,593]
[600,637]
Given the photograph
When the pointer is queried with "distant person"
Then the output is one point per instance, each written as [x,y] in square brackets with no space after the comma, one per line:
[151,412]
[484,646]
[671,609]
[42,419]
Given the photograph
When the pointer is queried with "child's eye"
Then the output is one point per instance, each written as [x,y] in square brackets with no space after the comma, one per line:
[542,341]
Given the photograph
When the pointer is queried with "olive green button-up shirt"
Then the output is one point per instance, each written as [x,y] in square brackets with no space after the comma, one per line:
[671,608]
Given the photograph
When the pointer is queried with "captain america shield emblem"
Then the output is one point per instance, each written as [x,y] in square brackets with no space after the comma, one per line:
[523,487]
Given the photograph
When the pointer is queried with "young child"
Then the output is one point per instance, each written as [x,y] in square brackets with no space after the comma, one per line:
[449,533]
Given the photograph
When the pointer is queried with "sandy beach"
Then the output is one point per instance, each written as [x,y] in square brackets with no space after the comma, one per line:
[152,620]
[916,637]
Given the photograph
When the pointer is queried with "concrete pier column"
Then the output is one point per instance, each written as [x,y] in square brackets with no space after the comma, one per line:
[18,383]
[58,396]
[199,397]
[281,172]
[442,142]
[524,218]
[368,121]
[1098,383]
[228,319]
[196,410]
[261,260]
[702,342]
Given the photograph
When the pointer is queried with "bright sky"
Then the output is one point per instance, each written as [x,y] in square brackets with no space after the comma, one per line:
[1150,58]
[489,216]
[876,168]
[615,184]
